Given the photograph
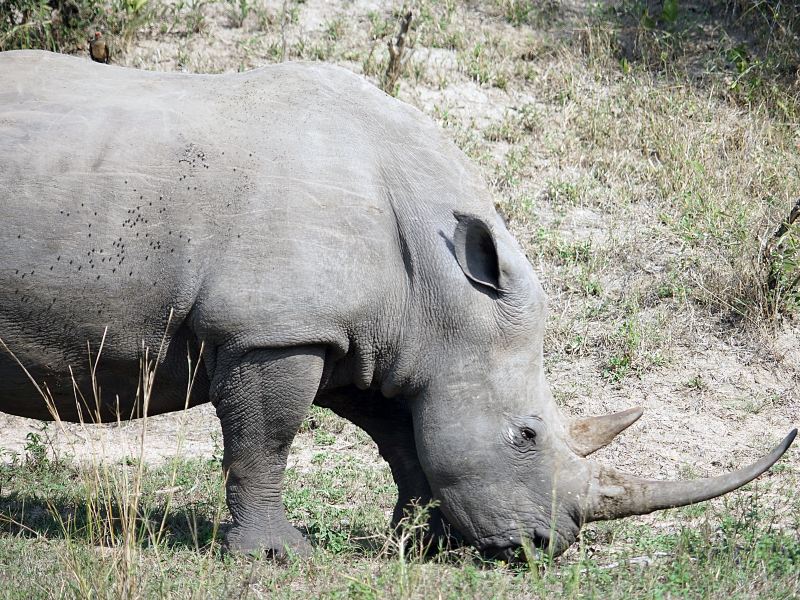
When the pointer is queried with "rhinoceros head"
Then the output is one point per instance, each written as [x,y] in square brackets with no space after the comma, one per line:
[505,465]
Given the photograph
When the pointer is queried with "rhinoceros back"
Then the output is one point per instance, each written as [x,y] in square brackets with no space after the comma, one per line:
[165,210]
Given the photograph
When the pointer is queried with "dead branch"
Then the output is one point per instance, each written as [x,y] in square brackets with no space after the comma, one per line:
[773,244]
[396,61]
[283,31]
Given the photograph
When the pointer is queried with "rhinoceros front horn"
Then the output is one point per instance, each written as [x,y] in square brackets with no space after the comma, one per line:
[592,433]
[613,495]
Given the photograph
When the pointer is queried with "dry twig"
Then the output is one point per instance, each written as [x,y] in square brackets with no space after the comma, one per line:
[774,243]
[283,31]
[396,51]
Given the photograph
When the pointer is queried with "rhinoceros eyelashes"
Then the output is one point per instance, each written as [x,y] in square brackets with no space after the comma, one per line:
[523,440]
[476,252]
[523,432]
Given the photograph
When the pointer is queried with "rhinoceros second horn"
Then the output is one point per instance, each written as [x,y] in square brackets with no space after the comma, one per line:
[590,434]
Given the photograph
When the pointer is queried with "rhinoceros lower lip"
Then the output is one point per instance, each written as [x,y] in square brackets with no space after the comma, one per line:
[499,542]
[504,546]
[509,554]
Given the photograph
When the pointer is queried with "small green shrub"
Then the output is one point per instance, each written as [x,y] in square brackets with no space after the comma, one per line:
[57,25]
[66,25]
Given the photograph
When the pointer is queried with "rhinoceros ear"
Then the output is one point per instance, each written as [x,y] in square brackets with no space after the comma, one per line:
[476,251]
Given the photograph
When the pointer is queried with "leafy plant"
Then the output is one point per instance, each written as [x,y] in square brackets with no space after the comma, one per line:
[669,11]
[35,451]
[238,11]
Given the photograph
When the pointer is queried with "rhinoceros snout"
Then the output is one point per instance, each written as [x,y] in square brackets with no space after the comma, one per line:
[507,547]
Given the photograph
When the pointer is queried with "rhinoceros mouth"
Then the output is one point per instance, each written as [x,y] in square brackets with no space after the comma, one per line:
[506,546]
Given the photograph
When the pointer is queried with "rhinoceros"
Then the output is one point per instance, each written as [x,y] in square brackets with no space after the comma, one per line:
[324,243]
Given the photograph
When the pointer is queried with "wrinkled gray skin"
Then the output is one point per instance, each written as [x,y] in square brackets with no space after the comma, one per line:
[323,241]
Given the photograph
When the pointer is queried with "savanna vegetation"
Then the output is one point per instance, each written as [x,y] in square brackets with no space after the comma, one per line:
[646,154]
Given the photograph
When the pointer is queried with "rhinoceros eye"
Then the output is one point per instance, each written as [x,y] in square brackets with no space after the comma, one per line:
[524,432]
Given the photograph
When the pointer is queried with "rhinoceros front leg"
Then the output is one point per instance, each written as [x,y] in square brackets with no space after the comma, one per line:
[261,400]
[391,428]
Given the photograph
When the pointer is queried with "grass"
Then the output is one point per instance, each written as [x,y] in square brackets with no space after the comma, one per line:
[642,153]
[527,12]
[138,531]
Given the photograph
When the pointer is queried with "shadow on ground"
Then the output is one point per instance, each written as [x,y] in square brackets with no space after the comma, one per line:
[106,522]
[747,49]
